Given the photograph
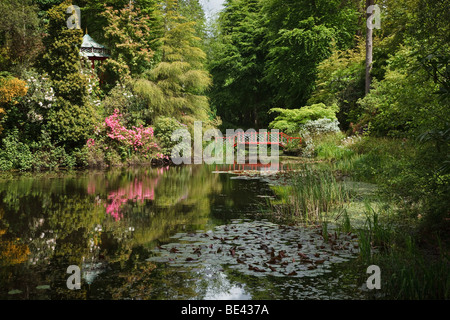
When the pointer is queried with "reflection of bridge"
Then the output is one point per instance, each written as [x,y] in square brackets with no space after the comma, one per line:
[237,167]
[255,138]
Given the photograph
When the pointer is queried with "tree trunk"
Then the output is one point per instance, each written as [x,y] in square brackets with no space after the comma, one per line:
[369,50]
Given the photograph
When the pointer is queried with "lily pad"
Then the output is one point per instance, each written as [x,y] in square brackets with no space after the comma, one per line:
[260,248]
[43,287]
[15,291]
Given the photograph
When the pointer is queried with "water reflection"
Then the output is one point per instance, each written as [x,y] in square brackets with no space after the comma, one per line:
[226,290]
[106,222]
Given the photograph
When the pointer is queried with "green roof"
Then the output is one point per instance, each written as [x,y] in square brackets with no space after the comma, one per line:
[90,48]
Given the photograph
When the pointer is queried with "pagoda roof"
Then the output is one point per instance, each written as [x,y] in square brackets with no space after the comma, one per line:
[90,48]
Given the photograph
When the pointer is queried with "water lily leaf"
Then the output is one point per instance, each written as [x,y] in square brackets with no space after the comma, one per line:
[259,248]
[43,287]
[15,291]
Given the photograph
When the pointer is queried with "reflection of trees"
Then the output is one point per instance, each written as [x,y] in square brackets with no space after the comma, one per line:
[12,252]
[145,281]
[57,220]
[155,202]
[183,198]
[53,217]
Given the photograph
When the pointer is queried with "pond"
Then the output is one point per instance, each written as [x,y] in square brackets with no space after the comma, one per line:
[183,232]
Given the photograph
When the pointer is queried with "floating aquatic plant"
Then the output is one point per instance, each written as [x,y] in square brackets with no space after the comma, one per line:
[260,248]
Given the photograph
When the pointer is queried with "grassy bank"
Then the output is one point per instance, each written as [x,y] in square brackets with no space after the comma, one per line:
[402,224]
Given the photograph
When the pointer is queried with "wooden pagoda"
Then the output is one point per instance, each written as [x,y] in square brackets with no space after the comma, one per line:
[93,50]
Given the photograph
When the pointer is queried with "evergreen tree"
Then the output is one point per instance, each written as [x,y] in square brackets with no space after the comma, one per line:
[72,117]
[192,10]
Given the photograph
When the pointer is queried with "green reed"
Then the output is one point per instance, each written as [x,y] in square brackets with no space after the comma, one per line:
[312,194]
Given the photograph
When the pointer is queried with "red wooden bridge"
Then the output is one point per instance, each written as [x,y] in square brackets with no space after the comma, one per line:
[254,137]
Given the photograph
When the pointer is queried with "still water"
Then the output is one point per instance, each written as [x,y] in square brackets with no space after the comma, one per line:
[120,226]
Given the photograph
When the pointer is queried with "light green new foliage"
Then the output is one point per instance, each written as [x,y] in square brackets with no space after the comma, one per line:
[341,80]
[176,86]
[405,102]
[289,120]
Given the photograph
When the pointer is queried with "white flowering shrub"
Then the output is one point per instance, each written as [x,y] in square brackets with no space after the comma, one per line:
[314,128]
[95,93]
[40,96]
[320,126]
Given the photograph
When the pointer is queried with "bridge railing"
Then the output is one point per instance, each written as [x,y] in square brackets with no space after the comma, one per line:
[254,137]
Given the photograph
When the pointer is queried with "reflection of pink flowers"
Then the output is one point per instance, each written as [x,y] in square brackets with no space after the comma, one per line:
[134,191]
[91,187]
[137,190]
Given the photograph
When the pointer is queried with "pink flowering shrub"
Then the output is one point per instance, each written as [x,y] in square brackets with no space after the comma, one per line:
[113,143]
[90,143]
[139,139]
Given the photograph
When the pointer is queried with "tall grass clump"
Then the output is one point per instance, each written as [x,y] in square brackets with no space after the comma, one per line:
[331,147]
[374,236]
[410,271]
[312,194]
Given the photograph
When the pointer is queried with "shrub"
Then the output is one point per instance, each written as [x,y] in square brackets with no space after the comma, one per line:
[313,129]
[112,143]
[320,127]
[405,102]
[290,120]
[330,148]
[137,138]
[15,154]
[164,127]
[11,90]
[36,155]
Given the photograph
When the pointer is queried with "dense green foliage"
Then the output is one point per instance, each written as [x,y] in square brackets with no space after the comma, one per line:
[265,54]
[297,66]
[290,56]
[55,106]
[239,91]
